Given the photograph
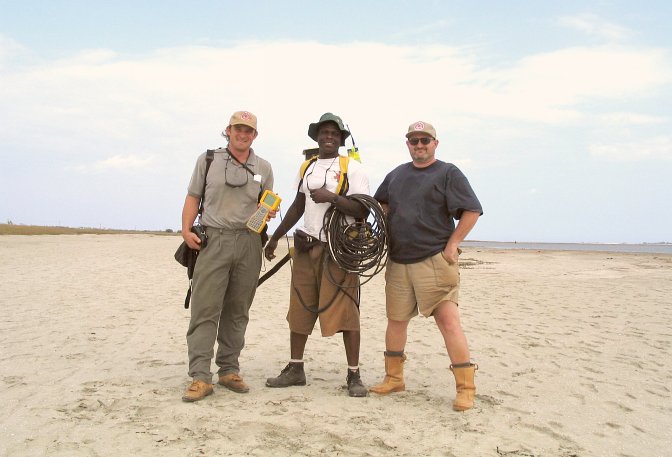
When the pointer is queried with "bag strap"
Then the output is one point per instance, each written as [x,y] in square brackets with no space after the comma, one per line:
[209,156]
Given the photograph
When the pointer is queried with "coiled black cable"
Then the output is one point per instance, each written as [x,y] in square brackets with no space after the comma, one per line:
[358,245]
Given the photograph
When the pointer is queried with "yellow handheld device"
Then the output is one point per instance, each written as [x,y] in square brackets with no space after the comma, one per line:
[269,202]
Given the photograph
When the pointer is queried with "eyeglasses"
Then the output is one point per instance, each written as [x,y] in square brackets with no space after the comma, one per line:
[424,140]
[309,175]
[236,178]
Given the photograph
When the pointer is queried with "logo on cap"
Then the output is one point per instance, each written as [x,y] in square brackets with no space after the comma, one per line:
[419,126]
[245,115]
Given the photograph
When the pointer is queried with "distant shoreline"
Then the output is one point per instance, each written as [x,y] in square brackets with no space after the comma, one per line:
[20,229]
[646,248]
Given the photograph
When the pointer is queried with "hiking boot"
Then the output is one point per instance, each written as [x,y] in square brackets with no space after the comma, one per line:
[197,390]
[234,382]
[355,386]
[291,375]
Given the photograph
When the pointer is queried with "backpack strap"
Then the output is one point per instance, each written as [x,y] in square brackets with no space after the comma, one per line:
[343,184]
[209,156]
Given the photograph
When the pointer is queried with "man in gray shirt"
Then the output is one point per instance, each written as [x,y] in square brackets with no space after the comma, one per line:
[227,271]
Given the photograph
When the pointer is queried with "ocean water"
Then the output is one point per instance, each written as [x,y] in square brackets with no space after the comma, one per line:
[665,248]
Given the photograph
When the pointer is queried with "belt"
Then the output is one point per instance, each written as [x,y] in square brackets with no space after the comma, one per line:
[226,230]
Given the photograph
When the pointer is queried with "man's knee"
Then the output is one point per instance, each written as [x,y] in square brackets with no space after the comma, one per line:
[447,316]
[397,325]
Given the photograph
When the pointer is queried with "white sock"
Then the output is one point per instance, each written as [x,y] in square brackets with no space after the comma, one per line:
[355,368]
[295,360]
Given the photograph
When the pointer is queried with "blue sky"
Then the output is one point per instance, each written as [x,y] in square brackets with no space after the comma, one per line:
[557,112]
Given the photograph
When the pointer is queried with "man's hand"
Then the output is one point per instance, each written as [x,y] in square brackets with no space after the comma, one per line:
[451,254]
[269,250]
[192,240]
[322,195]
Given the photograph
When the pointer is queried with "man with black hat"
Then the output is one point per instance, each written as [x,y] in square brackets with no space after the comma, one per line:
[319,288]
[227,270]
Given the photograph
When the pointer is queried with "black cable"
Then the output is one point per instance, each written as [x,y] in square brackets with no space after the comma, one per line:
[355,245]
[358,245]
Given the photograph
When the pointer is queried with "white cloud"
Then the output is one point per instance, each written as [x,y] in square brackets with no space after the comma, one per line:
[659,148]
[115,163]
[595,26]
[555,82]
[102,94]
[123,162]
[621,118]
[108,112]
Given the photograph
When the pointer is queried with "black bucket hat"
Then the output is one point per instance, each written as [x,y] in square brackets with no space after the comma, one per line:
[328,117]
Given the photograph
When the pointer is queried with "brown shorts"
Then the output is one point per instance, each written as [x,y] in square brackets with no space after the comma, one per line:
[316,291]
[420,286]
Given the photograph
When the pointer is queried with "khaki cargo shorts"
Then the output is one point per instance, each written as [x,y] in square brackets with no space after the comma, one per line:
[420,287]
[311,286]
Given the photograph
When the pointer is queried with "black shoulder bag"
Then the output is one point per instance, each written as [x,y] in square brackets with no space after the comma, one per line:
[185,255]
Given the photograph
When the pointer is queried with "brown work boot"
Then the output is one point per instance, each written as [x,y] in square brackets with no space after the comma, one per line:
[234,382]
[355,386]
[291,375]
[197,390]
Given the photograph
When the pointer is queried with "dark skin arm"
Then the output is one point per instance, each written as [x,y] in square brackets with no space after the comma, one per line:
[294,213]
[344,205]
[321,195]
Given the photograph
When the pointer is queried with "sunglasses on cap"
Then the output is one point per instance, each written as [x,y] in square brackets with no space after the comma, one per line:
[424,140]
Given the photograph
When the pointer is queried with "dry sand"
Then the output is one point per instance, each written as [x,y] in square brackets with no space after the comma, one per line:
[573,347]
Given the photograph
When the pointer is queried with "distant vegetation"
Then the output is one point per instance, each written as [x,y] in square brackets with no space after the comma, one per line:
[20,229]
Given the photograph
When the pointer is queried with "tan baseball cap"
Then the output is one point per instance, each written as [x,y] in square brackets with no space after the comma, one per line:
[244,118]
[421,127]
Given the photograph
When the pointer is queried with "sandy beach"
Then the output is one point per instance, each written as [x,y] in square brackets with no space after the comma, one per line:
[573,349]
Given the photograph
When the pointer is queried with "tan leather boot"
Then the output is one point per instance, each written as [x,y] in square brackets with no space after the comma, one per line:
[394,376]
[464,384]
[197,390]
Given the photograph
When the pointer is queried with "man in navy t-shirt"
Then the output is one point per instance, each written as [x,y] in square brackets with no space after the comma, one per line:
[422,200]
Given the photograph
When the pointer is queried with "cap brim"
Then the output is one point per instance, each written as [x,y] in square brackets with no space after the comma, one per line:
[245,124]
[314,127]
[408,135]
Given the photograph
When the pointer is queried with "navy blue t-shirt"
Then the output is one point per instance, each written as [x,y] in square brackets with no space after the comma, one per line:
[423,205]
